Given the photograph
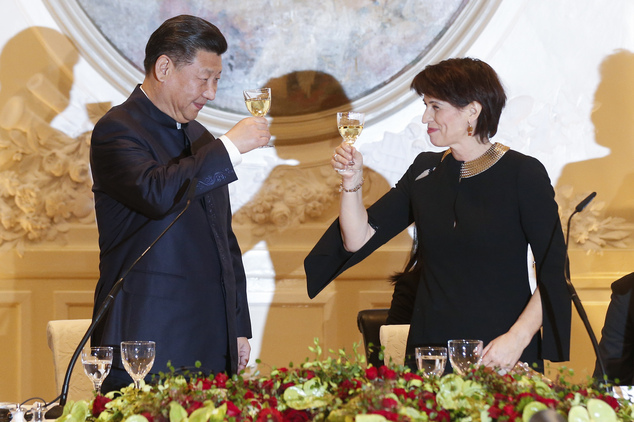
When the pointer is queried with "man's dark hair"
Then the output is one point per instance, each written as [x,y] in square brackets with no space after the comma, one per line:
[180,38]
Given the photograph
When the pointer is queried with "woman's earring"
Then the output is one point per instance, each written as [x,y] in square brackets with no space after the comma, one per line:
[470,130]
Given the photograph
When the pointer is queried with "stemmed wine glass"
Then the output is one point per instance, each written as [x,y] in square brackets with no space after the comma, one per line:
[464,353]
[97,362]
[138,358]
[431,360]
[258,102]
[350,125]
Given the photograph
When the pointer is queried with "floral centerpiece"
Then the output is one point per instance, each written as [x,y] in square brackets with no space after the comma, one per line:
[339,388]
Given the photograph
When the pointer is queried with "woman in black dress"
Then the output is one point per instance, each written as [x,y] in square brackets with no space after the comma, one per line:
[477,207]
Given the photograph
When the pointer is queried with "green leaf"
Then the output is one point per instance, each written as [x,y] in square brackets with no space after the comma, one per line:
[531,408]
[202,414]
[600,411]
[578,414]
[177,412]
[369,418]
[136,418]
[79,410]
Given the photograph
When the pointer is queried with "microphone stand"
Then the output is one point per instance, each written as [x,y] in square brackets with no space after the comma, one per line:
[56,411]
[573,293]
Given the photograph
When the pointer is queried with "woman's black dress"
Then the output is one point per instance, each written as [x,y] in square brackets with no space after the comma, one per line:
[473,236]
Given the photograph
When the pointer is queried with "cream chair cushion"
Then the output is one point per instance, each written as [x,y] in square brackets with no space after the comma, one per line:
[394,340]
[63,338]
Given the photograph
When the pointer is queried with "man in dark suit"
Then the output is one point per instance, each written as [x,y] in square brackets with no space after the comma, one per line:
[188,293]
[617,336]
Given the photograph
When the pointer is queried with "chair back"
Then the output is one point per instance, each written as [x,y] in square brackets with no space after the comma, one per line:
[394,341]
[63,338]
[369,322]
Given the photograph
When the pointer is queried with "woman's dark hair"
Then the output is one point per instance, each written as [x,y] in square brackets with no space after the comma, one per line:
[460,81]
[180,38]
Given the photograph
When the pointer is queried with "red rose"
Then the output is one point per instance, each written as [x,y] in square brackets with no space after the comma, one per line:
[292,415]
[309,375]
[371,373]
[510,411]
[284,386]
[408,376]
[552,403]
[500,397]
[270,415]
[268,385]
[390,416]
[205,383]
[443,415]
[249,394]
[400,392]
[271,401]
[147,416]
[614,403]
[220,380]
[495,412]
[348,386]
[232,409]
[428,395]
[389,403]
[99,405]
[387,373]
[193,405]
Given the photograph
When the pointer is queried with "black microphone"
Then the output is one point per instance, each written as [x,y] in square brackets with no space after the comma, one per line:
[580,207]
[573,293]
[56,411]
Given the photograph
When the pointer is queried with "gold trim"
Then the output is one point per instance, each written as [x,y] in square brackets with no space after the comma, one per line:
[482,163]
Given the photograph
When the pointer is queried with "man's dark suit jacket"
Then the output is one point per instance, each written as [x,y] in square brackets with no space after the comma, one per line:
[188,293]
[617,336]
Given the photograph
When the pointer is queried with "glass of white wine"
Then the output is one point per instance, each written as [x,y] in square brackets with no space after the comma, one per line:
[431,360]
[258,102]
[350,125]
[97,362]
[138,358]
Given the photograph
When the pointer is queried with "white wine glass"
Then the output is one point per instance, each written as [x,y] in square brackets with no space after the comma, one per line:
[350,125]
[97,362]
[138,358]
[258,102]
[464,353]
[431,360]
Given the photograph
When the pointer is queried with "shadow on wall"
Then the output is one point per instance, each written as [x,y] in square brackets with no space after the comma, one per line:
[609,220]
[292,209]
[44,173]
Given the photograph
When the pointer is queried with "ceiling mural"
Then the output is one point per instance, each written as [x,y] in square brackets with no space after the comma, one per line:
[362,45]
[315,58]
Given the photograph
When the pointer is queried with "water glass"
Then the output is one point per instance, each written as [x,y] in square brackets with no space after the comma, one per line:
[464,353]
[138,358]
[97,362]
[431,360]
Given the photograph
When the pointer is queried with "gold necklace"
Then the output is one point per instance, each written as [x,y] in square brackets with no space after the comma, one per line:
[483,162]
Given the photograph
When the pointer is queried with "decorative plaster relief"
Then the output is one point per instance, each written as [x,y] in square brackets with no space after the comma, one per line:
[45,182]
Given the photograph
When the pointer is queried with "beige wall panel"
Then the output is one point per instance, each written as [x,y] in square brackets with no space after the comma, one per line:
[73,304]
[292,324]
[15,335]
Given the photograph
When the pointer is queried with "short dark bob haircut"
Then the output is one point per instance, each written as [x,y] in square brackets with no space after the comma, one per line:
[180,38]
[460,81]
